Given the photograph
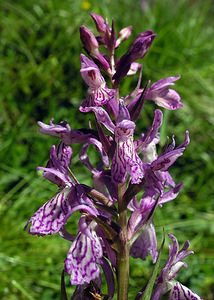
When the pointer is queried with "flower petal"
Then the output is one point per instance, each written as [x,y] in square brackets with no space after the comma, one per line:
[164,161]
[51,217]
[57,167]
[82,258]
[84,157]
[102,117]
[146,243]
[180,292]
[160,93]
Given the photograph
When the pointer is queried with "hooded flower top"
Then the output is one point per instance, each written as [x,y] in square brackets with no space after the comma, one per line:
[98,93]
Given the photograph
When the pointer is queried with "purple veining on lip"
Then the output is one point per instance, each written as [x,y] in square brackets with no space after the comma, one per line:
[82,258]
[125,159]
[180,292]
[98,93]
[50,217]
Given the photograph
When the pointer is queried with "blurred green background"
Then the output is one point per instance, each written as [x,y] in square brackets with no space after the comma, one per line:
[39,79]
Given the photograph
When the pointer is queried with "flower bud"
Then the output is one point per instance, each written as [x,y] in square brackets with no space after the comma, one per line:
[99,22]
[137,50]
[141,45]
[89,40]
[124,34]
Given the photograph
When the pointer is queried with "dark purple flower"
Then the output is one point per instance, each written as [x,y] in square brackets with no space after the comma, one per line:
[107,34]
[137,50]
[89,40]
[141,45]
[87,290]
[103,183]
[92,47]
[98,93]
[84,255]
[162,95]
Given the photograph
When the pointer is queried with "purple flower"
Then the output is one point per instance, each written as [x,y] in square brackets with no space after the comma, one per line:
[89,40]
[69,136]
[65,133]
[84,156]
[156,176]
[57,167]
[84,255]
[162,95]
[98,93]
[171,154]
[52,216]
[100,23]
[147,143]
[145,243]
[140,213]
[126,159]
[102,117]
[165,281]
[123,35]
[103,183]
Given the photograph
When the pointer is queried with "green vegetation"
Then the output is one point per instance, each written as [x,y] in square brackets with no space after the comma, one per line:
[39,79]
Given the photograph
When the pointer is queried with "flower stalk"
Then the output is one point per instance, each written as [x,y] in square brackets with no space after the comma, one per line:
[123,257]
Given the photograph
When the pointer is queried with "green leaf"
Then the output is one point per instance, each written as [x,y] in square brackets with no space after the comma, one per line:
[63,287]
[149,288]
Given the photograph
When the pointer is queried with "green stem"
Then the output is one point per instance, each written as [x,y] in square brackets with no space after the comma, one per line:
[123,255]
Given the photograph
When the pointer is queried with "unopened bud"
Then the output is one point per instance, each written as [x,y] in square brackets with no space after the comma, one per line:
[141,45]
[89,40]
[123,35]
[100,23]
